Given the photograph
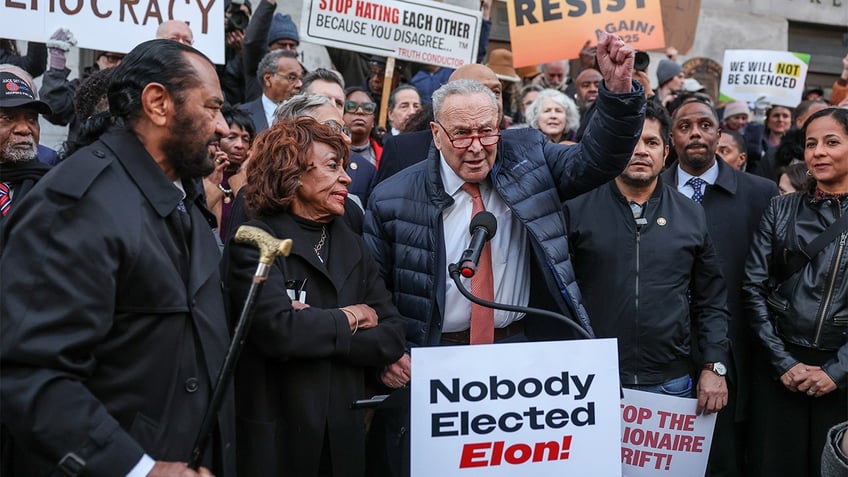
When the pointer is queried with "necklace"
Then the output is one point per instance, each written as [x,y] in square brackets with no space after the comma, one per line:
[228,193]
[318,246]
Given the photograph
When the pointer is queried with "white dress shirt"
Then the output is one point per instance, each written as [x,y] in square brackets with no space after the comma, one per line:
[709,176]
[510,254]
[268,107]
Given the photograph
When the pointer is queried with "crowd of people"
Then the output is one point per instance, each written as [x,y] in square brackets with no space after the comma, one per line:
[709,239]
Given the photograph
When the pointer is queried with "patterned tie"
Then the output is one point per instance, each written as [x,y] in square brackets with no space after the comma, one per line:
[482,283]
[5,199]
[697,183]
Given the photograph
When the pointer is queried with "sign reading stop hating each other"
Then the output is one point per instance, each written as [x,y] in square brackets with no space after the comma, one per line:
[426,32]
[564,26]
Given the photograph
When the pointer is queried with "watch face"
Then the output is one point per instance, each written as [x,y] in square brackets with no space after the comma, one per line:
[720,369]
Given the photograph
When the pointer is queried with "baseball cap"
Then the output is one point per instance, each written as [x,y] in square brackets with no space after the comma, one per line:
[15,92]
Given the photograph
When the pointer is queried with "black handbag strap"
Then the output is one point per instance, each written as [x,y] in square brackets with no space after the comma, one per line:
[798,261]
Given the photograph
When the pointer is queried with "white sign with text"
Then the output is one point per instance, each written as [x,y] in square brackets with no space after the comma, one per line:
[662,436]
[424,32]
[518,409]
[114,26]
[779,76]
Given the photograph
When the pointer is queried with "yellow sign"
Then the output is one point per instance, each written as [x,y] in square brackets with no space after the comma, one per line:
[548,30]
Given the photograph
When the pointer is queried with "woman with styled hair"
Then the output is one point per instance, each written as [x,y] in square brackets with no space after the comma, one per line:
[555,114]
[324,322]
[796,297]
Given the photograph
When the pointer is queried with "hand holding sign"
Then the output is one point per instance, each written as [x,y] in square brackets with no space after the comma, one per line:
[615,60]
[712,392]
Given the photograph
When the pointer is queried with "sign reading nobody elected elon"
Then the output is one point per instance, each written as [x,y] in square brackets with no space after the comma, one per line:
[425,32]
[518,409]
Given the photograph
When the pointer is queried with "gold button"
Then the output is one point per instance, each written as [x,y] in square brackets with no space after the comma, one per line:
[661,221]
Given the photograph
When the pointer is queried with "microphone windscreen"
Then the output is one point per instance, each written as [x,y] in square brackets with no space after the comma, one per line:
[486,220]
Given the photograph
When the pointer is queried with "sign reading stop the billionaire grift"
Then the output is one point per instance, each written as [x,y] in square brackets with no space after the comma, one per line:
[550,30]
[431,32]
[517,409]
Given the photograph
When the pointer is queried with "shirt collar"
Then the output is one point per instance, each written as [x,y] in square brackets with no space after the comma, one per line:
[709,176]
[268,105]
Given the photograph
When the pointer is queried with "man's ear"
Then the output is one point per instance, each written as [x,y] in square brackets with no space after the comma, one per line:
[434,128]
[157,104]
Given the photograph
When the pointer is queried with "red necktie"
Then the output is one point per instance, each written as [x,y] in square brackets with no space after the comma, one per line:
[482,283]
[5,199]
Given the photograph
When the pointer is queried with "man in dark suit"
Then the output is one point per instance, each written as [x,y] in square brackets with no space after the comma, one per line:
[113,329]
[733,202]
[281,76]
[404,150]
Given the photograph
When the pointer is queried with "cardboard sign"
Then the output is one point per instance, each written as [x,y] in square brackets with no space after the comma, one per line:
[115,26]
[662,436]
[432,33]
[517,409]
[748,75]
[565,26]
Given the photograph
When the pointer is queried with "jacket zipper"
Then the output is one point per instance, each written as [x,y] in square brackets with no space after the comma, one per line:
[636,315]
[830,285]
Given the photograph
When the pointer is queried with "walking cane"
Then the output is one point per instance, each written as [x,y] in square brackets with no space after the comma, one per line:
[269,249]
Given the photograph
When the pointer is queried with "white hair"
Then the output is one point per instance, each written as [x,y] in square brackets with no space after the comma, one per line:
[572,115]
[461,87]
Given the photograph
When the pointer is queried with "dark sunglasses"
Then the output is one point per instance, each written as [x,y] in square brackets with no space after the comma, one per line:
[352,106]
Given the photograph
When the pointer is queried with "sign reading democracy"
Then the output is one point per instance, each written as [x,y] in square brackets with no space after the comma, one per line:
[423,32]
[115,25]
[662,436]
[748,75]
[568,24]
[519,409]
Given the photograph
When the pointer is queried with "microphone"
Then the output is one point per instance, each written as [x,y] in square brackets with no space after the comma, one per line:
[482,229]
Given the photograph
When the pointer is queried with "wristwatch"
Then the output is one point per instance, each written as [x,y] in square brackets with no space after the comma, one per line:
[717,367]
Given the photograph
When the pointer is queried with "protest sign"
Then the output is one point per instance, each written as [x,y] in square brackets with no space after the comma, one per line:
[543,408]
[779,76]
[115,26]
[565,26]
[426,32]
[662,436]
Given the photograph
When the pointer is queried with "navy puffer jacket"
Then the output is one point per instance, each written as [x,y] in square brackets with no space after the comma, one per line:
[403,223]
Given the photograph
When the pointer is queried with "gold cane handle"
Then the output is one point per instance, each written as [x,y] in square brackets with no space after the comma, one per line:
[269,246]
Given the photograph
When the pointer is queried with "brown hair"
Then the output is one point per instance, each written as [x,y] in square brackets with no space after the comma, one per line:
[278,159]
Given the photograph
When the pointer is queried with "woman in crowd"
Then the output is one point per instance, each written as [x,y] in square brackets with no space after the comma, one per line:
[555,114]
[797,301]
[778,122]
[359,109]
[224,184]
[793,178]
[323,320]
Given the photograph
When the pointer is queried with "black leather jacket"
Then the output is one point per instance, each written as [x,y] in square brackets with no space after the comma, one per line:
[809,309]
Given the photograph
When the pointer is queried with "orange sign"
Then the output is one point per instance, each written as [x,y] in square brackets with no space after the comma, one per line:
[548,30]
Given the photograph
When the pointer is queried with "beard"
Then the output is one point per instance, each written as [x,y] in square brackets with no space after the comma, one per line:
[185,152]
[11,154]
[697,162]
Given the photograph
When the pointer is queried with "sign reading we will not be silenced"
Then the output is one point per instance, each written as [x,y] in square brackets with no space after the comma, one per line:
[661,436]
[114,25]
[564,26]
[518,409]
[748,75]
[431,32]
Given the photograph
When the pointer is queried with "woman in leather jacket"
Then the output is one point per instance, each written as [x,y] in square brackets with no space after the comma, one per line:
[799,313]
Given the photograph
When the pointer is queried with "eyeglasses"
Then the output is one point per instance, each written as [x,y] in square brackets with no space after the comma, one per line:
[341,128]
[113,58]
[465,142]
[352,106]
[291,77]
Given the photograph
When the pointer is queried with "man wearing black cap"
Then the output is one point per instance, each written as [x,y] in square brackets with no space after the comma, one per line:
[267,31]
[19,134]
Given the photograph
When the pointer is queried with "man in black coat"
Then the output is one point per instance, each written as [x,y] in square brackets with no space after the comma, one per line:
[20,168]
[113,327]
[733,202]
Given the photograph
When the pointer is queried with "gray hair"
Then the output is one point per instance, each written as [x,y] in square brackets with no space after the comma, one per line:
[572,115]
[268,64]
[462,87]
[300,105]
[544,66]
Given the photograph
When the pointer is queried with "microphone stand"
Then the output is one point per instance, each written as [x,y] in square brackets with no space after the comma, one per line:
[453,270]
